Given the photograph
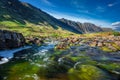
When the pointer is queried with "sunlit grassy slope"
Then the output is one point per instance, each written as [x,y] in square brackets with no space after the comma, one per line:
[31,21]
[32,30]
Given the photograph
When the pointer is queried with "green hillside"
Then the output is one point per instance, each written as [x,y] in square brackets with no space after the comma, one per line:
[24,18]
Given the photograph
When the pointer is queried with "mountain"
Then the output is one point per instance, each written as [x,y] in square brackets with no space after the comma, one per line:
[117,28]
[27,19]
[23,13]
[82,27]
[107,29]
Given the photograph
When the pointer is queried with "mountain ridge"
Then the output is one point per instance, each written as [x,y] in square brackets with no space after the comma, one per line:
[23,13]
[83,27]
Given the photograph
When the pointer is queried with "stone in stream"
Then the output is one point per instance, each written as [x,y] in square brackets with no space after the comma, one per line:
[3,60]
[94,51]
[66,61]
[87,72]
[83,47]
[94,44]
[100,44]
[112,48]
[117,42]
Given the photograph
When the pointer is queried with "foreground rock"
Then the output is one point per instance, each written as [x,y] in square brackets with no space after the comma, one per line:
[10,39]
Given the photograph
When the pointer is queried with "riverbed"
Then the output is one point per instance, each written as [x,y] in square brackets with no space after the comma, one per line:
[47,63]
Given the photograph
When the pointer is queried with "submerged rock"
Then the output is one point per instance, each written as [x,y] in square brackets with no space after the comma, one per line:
[87,72]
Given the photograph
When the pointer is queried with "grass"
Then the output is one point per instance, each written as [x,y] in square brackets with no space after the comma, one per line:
[32,30]
[98,34]
[28,29]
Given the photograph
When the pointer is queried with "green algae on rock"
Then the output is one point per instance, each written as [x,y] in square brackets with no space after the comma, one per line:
[87,72]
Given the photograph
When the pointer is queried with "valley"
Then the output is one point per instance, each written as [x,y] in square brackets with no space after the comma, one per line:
[34,45]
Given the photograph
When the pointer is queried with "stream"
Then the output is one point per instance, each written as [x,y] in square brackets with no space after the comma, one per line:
[46,63]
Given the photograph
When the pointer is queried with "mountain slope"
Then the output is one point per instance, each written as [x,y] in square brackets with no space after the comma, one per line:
[23,13]
[82,27]
[117,28]
[29,20]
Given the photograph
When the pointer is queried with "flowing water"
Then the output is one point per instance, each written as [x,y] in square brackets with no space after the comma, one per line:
[46,63]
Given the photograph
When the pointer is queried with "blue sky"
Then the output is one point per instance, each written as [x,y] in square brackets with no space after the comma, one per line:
[100,12]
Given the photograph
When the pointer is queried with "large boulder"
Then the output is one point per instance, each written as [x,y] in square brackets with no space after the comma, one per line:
[10,39]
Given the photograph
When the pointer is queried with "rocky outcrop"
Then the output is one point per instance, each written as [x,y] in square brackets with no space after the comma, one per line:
[82,27]
[10,39]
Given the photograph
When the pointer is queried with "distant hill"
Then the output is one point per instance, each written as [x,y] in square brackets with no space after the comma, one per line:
[117,28]
[24,17]
[82,27]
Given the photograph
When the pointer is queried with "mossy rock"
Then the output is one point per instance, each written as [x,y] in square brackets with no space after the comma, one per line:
[87,72]
[110,66]
[20,70]
[116,46]
[52,70]
[105,48]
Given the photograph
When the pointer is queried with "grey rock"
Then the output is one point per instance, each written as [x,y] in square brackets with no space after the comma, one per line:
[10,39]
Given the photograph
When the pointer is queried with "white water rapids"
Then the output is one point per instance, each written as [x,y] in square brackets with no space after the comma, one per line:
[8,54]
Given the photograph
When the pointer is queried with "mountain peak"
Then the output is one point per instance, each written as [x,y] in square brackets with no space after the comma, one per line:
[83,27]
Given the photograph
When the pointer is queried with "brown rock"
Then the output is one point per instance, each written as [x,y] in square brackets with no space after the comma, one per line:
[100,44]
[94,44]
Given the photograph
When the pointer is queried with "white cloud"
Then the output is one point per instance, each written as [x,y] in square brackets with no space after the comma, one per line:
[87,12]
[112,4]
[100,9]
[77,4]
[116,24]
[48,3]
